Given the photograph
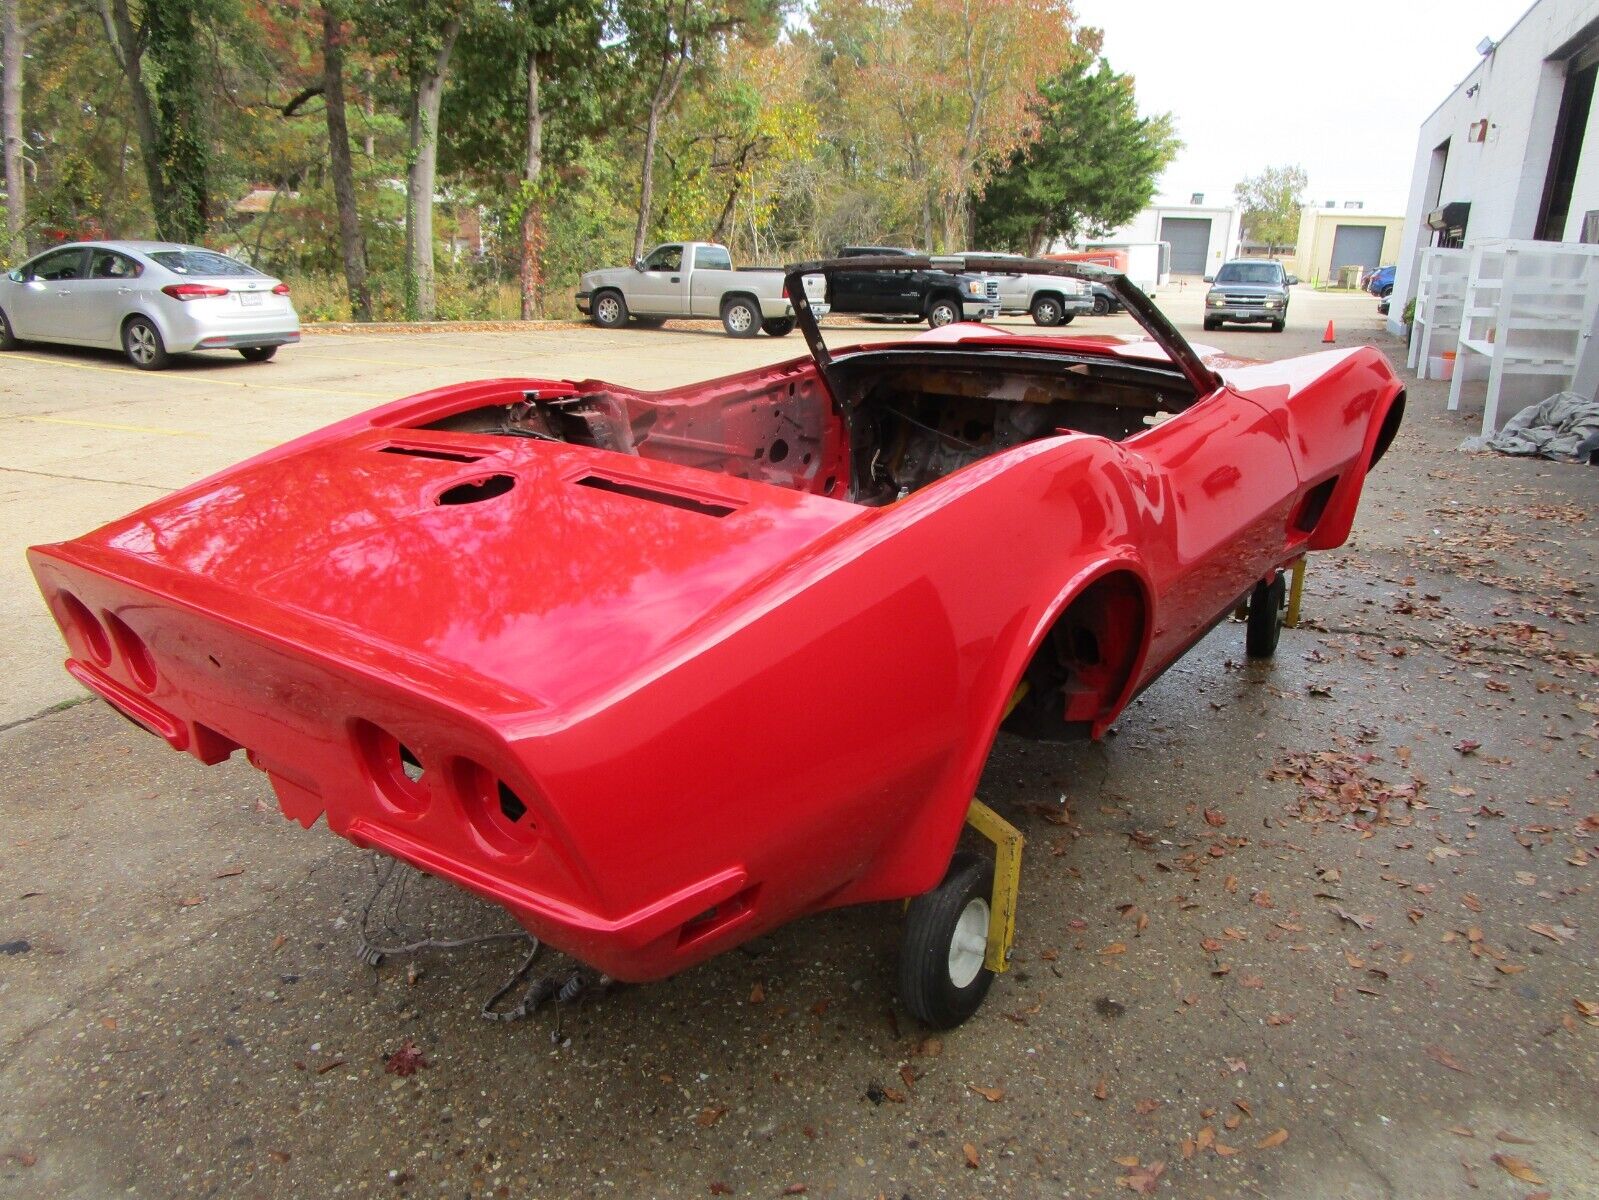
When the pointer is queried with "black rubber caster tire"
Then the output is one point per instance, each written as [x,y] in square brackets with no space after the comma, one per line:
[932,923]
[1267,607]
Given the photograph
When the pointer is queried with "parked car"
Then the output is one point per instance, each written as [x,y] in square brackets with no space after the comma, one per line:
[1102,300]
[1248,290]
[1048,299]
[674,668]
[1379,282]
[694,279]
[889,290]
[150,300]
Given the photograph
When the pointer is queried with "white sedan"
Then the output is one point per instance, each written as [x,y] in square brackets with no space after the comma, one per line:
[148,299]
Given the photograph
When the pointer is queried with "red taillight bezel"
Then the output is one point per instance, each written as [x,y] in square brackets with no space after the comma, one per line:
[281,289]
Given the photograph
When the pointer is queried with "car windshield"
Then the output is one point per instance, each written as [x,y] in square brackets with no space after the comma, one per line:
[201,263]
[1250,273]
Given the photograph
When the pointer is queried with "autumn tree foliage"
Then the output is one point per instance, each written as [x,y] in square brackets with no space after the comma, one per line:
[466,158]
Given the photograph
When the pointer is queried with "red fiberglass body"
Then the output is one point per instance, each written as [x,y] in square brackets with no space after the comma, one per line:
[659,671]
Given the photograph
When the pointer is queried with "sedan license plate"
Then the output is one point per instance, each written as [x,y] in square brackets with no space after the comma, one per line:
[249,297]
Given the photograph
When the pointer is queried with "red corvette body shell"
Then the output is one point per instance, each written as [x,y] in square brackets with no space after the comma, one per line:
[652,731]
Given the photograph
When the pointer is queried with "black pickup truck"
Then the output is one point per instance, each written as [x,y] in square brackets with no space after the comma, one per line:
[937,297]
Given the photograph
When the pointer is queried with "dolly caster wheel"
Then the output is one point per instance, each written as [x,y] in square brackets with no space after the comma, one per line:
[1267,605]
[942,979]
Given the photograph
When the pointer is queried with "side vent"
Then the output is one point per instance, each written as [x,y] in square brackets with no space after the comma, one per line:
[639,491]
[451,456]
[1314,504]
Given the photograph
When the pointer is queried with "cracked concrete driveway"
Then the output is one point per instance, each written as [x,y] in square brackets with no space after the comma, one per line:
[1319,928]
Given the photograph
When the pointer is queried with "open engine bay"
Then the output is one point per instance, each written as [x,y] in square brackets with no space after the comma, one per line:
[902,419]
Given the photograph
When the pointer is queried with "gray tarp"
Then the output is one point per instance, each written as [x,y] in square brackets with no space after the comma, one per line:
[1565,426]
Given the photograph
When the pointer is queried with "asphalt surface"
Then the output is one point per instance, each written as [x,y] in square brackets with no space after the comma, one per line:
[1318,928]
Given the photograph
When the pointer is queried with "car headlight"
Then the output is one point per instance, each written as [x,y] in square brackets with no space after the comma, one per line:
[1215,301]
[974,286]
[1273,302]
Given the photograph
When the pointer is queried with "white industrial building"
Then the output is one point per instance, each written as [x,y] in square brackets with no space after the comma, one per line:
[1513,152]
[1201,236]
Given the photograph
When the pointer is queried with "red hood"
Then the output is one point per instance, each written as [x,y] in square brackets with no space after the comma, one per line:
[552,590]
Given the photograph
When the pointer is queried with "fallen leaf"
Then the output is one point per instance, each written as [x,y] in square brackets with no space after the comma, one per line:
[758,993]
[718,1188]
[407,1060]
[1468,746]
[1441,1056]
[1102,1089]
[1205,1138]
[1225,1150]
[1146,1106]
[1460,1131]
[228,874]
[1520,1168]
[795,1189]
[992,1095]
[970,1152]
[191,901]
[1359,922]
[1512,1139]
[710,1116]
[1251,981]
[1143,1180]
[1555,933]
[1115,948]
[1272,1139]
[1126,1160]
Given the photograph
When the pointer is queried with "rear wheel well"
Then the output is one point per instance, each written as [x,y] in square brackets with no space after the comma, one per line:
[1389,431]
[754,302]
[1082,666]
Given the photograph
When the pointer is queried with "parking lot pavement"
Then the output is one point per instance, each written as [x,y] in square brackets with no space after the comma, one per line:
[1313,929]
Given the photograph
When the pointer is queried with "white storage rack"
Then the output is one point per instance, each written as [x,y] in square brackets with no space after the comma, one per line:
[1440,301]
[1529,310]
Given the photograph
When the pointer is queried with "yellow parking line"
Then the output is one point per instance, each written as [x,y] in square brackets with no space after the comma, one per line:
[118,428]
[201,379]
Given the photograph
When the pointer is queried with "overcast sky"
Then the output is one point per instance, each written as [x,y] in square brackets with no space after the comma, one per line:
[1340,88]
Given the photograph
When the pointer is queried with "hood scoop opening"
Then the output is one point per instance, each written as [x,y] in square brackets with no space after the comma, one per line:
[475,491]
[451,456]
[638,491]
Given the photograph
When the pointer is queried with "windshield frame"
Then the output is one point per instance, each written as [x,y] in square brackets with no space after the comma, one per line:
[1280,281]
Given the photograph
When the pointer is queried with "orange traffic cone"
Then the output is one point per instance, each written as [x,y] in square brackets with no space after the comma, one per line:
[1328,336]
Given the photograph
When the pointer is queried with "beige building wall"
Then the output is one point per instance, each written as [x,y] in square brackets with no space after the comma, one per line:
[1319,226]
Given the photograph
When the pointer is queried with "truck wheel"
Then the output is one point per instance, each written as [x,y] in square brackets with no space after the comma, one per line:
[1277,326]
[740,317]
[778,326]
[1066,319]
[8,340]
[1211,326]
[610,310]
[942,979]
[943,311]
[1048,311]
[1266,608]
[1101,306]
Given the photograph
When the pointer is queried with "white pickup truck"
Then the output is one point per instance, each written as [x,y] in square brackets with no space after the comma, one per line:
[695,279]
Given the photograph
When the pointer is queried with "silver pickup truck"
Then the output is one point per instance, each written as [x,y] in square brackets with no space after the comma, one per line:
[1048,299]
[695,279]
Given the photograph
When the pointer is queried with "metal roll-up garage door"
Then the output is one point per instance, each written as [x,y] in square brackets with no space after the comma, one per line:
[1190,243]
[1357,245]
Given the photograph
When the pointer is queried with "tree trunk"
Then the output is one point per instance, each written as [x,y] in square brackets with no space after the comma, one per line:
[125,48]
[665,92]
[173,46]
[351,240]
[646,196]
[11,59]
[533,204]
[420,293]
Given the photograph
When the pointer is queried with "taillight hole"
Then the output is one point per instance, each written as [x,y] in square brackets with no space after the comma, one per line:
[140,663]
[89,630]
[496,813]
[475,491]
[394,768]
